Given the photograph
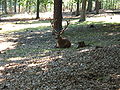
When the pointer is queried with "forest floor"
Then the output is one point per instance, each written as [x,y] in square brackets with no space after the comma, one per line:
[29,61]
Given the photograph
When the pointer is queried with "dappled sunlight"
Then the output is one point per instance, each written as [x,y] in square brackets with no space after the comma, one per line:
[2,73]
[7,45]
[1,69]
[111,34]
[43,60]
[16,58]
[11,27]
[84,50]
[2,79]
[33,59]
[111,18]
[2,39]
[17,67]
[17,16]
[12,65]
[14,62]
[17,27]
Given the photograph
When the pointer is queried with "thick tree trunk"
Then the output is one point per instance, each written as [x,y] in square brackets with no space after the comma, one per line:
[83,12]
[89,8]
[38,4]
[58,15]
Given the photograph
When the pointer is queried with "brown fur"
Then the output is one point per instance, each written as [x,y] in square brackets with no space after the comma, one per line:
[63,43]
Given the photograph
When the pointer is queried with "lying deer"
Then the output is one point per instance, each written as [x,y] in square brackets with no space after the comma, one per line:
[61,42]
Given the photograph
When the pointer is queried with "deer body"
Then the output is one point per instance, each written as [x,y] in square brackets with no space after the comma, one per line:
[63,43]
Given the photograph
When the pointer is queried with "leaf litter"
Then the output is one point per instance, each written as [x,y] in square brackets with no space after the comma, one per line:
[36,65]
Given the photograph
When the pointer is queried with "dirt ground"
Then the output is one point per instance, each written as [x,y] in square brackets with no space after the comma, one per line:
[29,61]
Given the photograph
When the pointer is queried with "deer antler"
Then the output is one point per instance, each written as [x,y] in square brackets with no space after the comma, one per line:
[62,31]
[68,22]
[52,23]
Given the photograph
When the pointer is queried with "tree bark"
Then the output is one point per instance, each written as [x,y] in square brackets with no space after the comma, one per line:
[19,8]
[5,6]
[10,6]
[89,8]
[77,11]
[38,4]
[58,15]
[2,6]
[15,6]
[97,6]
[83,12]
[29,8]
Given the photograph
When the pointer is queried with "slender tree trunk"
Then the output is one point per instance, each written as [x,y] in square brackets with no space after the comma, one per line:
[29,8]
[58,15]
[10,6]
[45,7]
[19,7]
[97,6]
[5,6]
[100,4]
[83,12]
[78,5]
[37,14]
[71,7]
[15,6]
[26,6]
[2,6]
[89,8]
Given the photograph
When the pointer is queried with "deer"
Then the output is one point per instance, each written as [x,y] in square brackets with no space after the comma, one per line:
[60,41]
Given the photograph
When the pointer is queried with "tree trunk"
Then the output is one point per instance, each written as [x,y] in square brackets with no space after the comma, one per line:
[29,8]
[27,3]
[71,7]
[5,6]
[77,11]
[15,6]
[97,6]
[19,7]
[89,8]
[83,12]
[2,6]
[10,6]
[58,15]
[38,4]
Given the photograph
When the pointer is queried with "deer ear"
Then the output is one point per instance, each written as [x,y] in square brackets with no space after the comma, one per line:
[61,32]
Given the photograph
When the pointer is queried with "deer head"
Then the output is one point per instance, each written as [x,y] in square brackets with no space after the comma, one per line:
[59,33]
[61,42]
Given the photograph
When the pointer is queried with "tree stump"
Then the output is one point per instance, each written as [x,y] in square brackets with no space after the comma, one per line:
[81,44]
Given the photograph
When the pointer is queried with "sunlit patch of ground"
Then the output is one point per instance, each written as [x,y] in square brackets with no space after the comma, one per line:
[7,45]
[106,18]
[12,26]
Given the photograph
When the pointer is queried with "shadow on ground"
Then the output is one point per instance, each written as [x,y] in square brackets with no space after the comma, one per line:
[35,64]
